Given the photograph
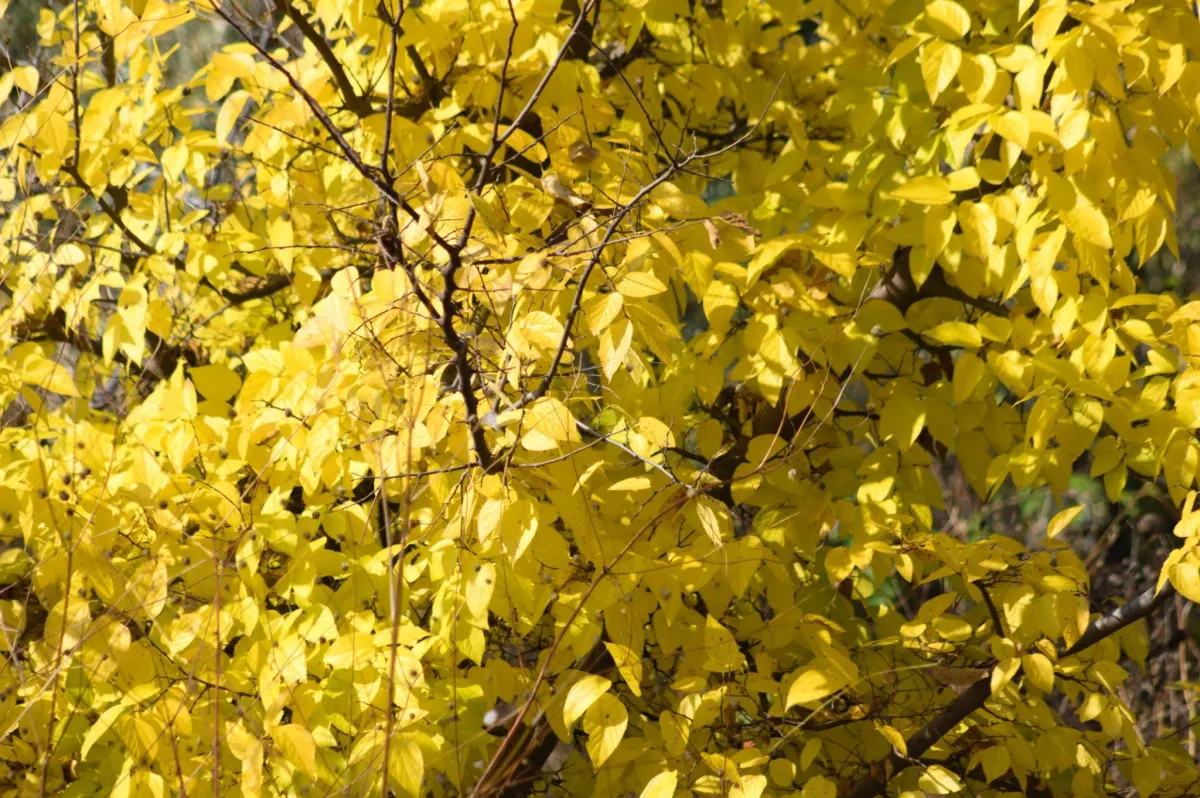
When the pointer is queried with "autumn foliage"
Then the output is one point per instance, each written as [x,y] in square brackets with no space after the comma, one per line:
[504,397]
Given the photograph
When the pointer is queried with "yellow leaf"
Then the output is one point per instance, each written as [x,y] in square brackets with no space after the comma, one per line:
[1041,270]
[489,518]
[632,484]
[541,329]
[894,737]
[174,159]
[70,255]
[948,19]
[675,730]
[615,341]
[48,375]
[249,749]
[1151,230]
[480,589]
[354,650]
[26,79]
[819,787]
[147,591]
[1185,576]
[407,765]
[661,786]
[903,50]
[296,743]
[939,781]
[604,723]
[102,725]
[638,285]
[675,202]
[1089,223]
[928,190]
[1062,520]
[1046,23]
[956,333]
[723,654]
[602,310]
[582,695]
[752,786]
[1003,673]
[838,564]
[1073,127]
[282,238]
[518,527]
[711,514]
[216,382]
[227,116]
[815,683]
[722,295]
[995,761]
[1012,126]
[1039,670]
[629,665]
[1147,774]
[547,423]
[809,754]
[966,179]
[782,771]
[937,229]
[940,61]
[968,371]
[902,417]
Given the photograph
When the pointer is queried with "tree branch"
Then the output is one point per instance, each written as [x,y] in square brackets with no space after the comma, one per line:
[899,288]
[978,693]
[319,112]
[352,100]
[609,232]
